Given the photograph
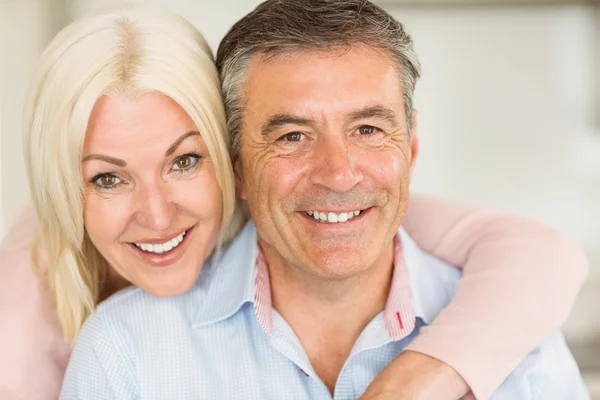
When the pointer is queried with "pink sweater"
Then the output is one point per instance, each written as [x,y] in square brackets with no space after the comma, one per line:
[520,280]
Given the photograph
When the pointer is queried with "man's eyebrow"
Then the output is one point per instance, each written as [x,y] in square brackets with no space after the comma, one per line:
[278,120]
[112,160]
[380,112]
[176,144]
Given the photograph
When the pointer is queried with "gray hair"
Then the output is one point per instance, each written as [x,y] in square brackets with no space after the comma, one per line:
[282,26]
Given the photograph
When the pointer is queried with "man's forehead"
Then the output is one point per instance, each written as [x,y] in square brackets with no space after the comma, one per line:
[308,81]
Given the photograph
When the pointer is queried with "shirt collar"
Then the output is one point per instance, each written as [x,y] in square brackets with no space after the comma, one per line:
[421,285]
[432,281]
[229,282]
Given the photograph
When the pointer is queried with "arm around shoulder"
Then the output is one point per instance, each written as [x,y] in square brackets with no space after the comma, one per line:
[520,279]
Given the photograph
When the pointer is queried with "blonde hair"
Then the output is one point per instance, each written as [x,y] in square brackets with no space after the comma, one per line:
[131,51]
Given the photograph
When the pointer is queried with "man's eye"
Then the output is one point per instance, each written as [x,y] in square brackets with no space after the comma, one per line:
[367,130]
[292,137]
[186,162]
[106,181]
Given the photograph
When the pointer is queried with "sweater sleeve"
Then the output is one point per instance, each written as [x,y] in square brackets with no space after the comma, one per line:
[33,354]
[520,279]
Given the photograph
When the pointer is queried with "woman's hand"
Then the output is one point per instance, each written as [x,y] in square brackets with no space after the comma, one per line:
[416,376]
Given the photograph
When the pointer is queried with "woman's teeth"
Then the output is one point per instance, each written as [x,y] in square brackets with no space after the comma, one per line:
[161,248]
[331,217]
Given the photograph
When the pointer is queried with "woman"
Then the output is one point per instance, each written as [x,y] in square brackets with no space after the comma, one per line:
[143,164]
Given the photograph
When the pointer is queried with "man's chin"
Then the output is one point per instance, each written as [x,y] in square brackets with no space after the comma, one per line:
[337,265]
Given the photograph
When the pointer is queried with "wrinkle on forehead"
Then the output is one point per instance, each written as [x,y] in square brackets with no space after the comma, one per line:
[305,85]
[267,58]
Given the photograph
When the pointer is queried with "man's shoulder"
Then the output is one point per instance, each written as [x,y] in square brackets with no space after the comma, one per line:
[547,372]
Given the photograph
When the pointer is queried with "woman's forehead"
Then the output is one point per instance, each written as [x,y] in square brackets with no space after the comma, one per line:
[121,122]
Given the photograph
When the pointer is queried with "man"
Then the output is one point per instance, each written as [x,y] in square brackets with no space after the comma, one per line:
[319,97]
[324,153]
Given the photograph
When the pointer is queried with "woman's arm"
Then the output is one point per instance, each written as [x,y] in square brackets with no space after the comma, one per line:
[33,355]
[520,279]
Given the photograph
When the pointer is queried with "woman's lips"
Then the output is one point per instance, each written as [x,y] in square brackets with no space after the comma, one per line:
[167,257]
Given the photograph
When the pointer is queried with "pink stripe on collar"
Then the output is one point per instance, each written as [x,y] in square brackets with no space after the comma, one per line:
[262,297]
[399,315]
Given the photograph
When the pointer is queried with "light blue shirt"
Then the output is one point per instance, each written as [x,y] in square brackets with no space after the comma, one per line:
[209,344]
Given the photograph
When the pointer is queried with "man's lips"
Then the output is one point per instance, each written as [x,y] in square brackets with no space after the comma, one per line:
[335,217]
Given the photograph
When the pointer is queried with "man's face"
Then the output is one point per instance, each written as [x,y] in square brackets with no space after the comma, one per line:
[326,159]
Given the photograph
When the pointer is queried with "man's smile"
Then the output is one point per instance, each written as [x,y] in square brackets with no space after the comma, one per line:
[331,217]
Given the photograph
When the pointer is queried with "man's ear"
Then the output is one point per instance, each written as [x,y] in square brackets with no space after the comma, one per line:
[240,188]
[414,139]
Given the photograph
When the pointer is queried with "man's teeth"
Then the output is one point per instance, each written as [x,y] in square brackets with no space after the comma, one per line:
[163,247]
[333,217]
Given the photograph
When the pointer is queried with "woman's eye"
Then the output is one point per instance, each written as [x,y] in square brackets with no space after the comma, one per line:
[292,137]
[185,162]
[106,181]
[367,130]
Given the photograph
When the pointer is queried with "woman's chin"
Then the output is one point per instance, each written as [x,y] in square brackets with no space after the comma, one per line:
[175,288]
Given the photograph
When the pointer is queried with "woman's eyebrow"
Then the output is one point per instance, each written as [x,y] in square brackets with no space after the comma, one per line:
[176,144]
[112,160]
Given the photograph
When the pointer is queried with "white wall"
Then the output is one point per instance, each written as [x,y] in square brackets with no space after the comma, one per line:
[506,108]
[2,222]
[26,26]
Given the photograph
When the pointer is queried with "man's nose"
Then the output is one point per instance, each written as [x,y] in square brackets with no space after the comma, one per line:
[334,165]
[155,206]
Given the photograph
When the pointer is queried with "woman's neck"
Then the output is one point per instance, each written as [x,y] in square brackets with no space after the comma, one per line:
[114,282]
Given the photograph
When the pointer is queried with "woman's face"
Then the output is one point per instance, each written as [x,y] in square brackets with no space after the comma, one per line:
[153,206]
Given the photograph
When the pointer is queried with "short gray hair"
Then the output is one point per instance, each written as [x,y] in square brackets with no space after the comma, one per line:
[281,26]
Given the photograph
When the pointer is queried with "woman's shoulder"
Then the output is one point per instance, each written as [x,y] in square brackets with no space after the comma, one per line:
[20,237]
[17,270]
[19,274]
[31,341]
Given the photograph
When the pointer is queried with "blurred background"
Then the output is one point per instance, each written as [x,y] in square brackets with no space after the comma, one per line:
[509,109]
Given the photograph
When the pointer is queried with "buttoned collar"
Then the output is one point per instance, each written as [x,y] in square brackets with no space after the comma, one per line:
[421,285]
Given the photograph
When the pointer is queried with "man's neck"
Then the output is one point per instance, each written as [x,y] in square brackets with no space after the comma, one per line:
[328,315]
